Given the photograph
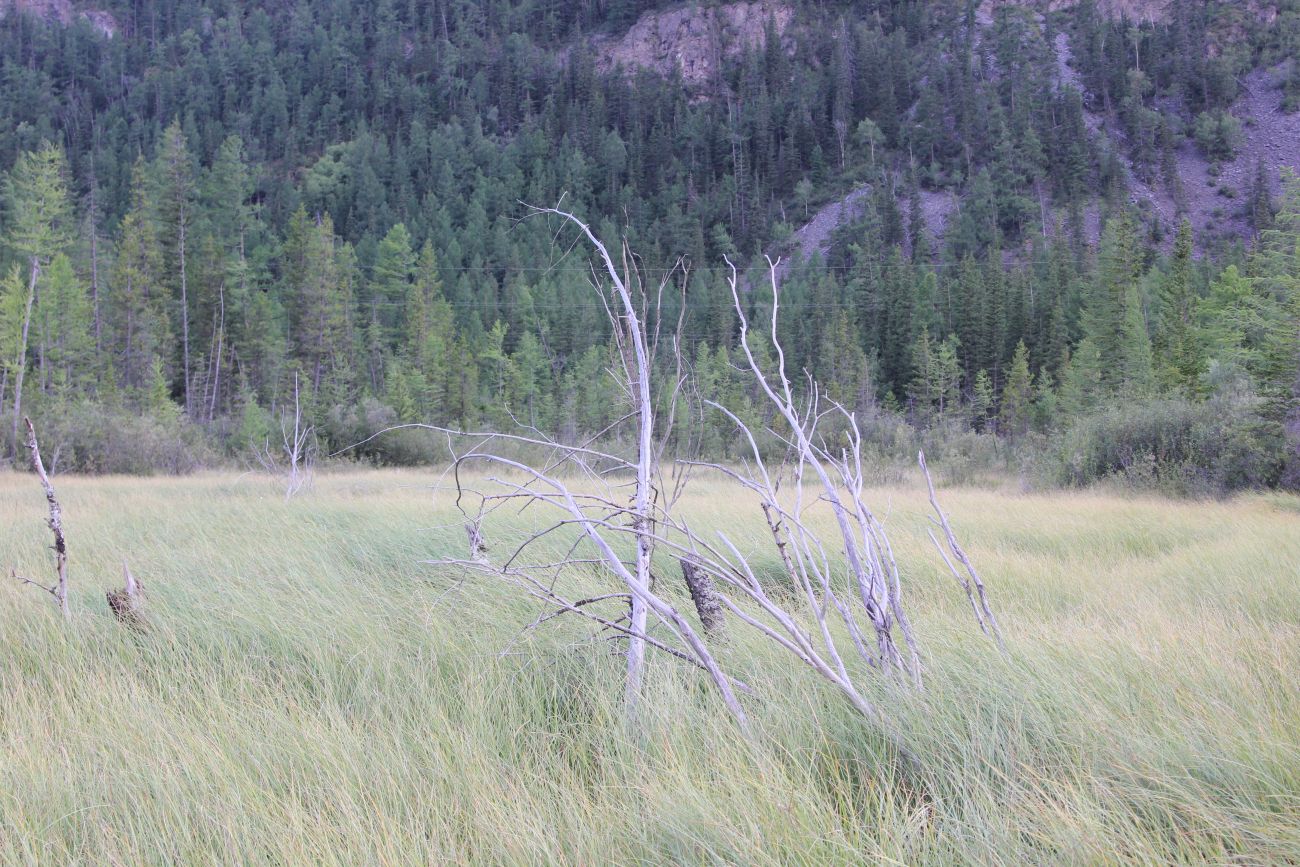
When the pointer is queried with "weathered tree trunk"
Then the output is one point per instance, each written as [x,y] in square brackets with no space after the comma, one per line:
[60,589]
[703,595]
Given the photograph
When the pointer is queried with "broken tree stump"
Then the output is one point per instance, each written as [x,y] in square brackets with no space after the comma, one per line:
[127,604]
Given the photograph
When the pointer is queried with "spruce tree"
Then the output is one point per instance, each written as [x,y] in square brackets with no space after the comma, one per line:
[175,193]
[39,227]
[1016,410]
[1178,357]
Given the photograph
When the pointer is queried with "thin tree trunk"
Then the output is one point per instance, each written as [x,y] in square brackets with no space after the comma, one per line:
[94,268]
[644,543]
[185,308]
[221,345]
[21,361]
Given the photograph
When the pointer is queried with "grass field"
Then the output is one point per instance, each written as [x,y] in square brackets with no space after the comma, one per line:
[310,693]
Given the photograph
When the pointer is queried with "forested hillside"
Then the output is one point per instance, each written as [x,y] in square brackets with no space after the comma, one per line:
[1069,244]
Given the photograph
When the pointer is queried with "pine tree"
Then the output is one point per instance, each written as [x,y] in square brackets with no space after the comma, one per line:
[1106,315]
[430,336]
[392,277]
[1178,356]
[176,187]
[320,297]
[1137,368]
[65,339]
[1045,400]
[139,327]
[947,371]
[40,226]
[923,388]
[1081,386]
[1017,395]
[982,400]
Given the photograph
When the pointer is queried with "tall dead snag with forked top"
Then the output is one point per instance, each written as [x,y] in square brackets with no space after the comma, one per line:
[59,590]
[606,513]
[294,462]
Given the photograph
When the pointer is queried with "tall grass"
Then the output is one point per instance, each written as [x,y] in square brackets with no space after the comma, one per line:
[310,693]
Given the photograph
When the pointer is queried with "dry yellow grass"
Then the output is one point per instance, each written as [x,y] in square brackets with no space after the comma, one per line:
[309,692]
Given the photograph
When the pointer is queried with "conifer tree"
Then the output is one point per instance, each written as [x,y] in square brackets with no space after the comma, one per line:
[982,400]
[39,227]
[430,341]
[1178,355]
[1081,384]
[391,280]
[1106,315]
[320,287]
[1017,395]
[175,212]
[139,325]
[64,329]
[1136,365]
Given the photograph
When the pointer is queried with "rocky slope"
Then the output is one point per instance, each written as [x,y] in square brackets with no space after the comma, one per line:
[63,11]
[693,39]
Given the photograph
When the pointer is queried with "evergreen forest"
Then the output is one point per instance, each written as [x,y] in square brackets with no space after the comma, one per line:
[213,212]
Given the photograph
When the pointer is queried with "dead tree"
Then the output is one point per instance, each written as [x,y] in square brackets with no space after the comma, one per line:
[127,604]
[600,517]
[477,547]
[849,618]
[59,590]
[294,461]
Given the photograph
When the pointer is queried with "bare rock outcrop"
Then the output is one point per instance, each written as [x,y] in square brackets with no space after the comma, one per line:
[692,39]
[64,12]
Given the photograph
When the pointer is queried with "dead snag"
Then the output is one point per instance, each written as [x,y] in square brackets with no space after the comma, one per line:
[127,604]
[477,547]
[60,589]
[703,595]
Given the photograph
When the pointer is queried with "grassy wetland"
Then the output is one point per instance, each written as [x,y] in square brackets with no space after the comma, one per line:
[308,690]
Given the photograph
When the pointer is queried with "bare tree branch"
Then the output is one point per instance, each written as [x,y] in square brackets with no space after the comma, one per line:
[983,613]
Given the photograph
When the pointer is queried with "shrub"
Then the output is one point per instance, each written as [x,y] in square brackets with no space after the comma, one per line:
[364,432]
[1172,445]
[1218,134]
[86,436]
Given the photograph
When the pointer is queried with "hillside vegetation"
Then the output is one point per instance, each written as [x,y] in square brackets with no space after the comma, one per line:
[1051,212]
[308,692]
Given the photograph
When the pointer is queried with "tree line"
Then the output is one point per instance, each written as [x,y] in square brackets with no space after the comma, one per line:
[173,318]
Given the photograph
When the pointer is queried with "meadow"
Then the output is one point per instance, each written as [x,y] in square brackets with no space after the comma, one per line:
[310,691]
